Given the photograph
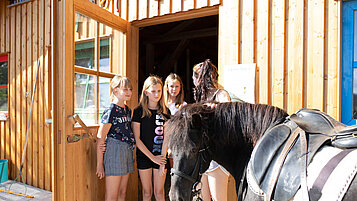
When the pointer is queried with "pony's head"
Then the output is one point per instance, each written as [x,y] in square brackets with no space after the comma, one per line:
[189,144]
[226,134]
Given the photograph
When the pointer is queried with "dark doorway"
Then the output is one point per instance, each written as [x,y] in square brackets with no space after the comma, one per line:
[175,47]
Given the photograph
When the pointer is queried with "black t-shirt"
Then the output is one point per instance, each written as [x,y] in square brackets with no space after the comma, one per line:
[151,130]
[120,118]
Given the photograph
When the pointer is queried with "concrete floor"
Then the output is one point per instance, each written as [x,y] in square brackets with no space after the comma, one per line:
[18,187]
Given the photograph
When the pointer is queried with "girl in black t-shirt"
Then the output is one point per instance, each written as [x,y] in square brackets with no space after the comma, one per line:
[148,122]
[115,132]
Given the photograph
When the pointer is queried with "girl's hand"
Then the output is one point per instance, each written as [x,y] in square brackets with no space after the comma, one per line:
[102,147]
[159,159]
[100,171]
[162,170]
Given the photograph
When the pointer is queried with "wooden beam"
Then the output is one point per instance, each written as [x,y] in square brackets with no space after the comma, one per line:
[55,23]
[95,12]
[187,35]
[173,17]
[295,51]
[132,71]
[179,28]
[262,52]
[167,64]
[83,70]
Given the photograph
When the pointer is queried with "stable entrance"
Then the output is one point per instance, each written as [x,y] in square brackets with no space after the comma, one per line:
[175,47]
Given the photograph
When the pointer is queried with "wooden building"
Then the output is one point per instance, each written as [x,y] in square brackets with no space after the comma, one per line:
[303,50]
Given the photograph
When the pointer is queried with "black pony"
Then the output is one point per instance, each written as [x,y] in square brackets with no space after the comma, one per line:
[226,134]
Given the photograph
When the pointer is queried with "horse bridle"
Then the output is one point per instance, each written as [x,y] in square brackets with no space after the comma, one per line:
[198,167]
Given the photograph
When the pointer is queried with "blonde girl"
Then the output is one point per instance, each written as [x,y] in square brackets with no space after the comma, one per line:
[174,93]
[174,100]
[115,132]
[148,120]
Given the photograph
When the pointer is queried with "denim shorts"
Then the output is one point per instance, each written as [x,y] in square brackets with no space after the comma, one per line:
[118,158]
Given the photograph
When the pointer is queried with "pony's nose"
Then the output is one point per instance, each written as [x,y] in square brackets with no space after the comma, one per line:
[174,196]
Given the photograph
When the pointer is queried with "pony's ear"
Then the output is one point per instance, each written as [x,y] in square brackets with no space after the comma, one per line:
[195,128]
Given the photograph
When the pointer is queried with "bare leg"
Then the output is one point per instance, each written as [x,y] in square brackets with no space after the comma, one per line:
[159,184]
[146,182]
[218,184]
[122,187]
[206,194]
[112,184]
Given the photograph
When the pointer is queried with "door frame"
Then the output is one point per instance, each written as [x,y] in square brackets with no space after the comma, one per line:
[348,8]
[63,76]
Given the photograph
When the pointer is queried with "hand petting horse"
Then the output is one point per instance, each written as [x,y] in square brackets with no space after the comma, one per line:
[272,156]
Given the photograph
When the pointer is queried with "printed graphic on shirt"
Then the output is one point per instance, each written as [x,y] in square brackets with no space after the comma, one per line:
[159,134]
[120,118]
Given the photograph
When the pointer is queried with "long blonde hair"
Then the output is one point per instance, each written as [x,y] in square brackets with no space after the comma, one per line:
[180,97]
[144,100]
[118,82]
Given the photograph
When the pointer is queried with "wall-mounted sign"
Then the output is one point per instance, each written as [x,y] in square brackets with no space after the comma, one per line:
[239,81]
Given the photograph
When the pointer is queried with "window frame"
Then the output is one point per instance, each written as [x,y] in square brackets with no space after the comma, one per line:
[5,57]
[348,64]
[96,70]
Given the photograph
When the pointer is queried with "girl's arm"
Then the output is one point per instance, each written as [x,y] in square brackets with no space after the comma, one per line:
[102,133]
[165,144]
[164,149]
[160,160]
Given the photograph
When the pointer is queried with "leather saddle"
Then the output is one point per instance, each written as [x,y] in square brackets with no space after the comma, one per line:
[314,121]
[320,129]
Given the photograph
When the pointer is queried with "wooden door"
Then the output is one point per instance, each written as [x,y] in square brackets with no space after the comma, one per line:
[91,46]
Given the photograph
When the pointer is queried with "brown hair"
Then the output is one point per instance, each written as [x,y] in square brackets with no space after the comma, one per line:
[207,78]
[180,97]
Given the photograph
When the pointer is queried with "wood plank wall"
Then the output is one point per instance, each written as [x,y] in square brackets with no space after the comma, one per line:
[296,45]
[25,36]
[141,9]
[296,51]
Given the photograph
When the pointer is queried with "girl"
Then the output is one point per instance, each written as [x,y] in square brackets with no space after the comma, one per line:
[174,100]
[173,93]
[215,179]
[115,131]
[148,121]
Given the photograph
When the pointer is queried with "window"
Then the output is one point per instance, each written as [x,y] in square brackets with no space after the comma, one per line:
[3,87]
[17,2]
[94,66]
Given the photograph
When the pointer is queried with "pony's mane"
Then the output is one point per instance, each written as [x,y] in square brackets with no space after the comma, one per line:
[227,123]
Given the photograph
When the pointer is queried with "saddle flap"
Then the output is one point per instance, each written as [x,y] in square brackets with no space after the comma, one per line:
[267,151]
